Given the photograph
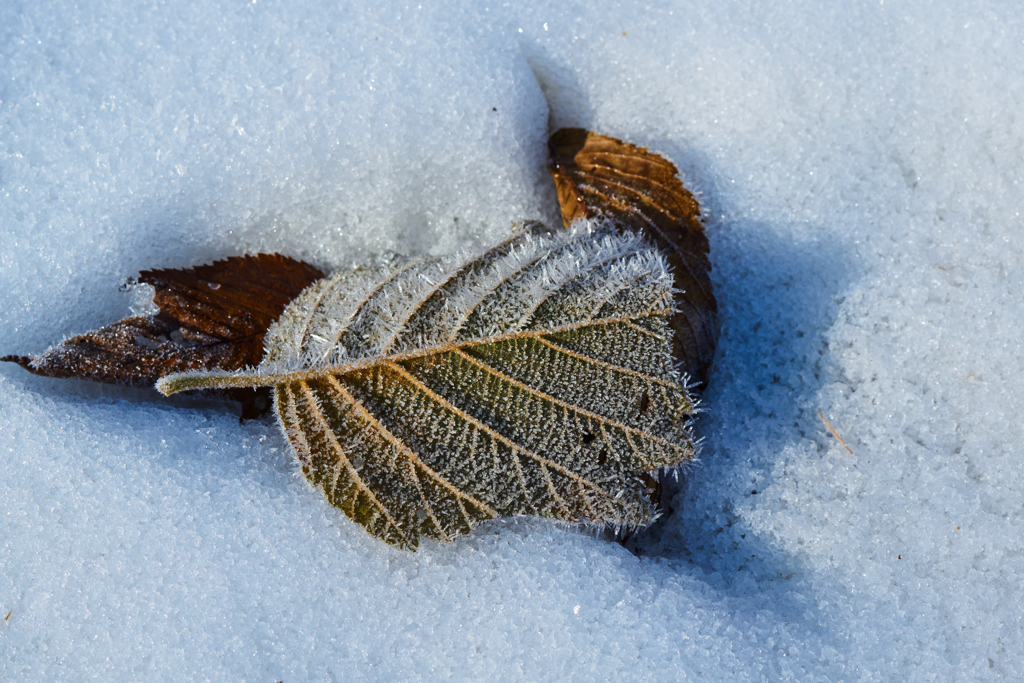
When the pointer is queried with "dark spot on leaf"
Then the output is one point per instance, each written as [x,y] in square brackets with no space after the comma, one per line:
[645,403]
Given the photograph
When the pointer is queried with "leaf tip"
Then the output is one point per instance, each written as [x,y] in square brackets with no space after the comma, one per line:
[23,361]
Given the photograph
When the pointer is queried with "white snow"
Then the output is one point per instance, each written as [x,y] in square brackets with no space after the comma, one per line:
[860,169]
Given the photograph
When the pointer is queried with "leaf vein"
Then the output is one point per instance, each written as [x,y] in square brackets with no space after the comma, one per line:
[337,448]
[633,325]
[535,306]
[398,272]
[601,363]
[403,448]
[495,434]
[461,323]
[566,406]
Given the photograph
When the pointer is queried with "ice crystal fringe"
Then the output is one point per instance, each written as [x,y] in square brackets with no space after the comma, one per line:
[426,396]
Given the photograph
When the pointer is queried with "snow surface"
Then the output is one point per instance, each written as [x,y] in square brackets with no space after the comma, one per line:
[859,165]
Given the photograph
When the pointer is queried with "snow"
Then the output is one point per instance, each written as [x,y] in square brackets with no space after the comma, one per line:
[859,166]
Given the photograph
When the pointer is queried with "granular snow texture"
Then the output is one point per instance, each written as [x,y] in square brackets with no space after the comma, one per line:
[859,167]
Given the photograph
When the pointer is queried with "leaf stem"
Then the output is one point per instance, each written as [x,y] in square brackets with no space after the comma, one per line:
[189,381]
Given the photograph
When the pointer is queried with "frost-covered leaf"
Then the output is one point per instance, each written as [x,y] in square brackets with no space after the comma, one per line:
[211,317]
[428,395]
[600,177]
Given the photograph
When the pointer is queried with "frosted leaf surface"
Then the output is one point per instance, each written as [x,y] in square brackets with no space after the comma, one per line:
[427,396]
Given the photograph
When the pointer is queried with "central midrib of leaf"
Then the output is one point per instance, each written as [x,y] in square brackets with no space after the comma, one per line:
[255,377]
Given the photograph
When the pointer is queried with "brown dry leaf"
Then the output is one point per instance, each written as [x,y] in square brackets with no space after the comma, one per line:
[211,317]
[599,177]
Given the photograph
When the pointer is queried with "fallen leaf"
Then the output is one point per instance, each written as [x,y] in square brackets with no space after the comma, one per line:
[599,177]
[427,396]
[211,317]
